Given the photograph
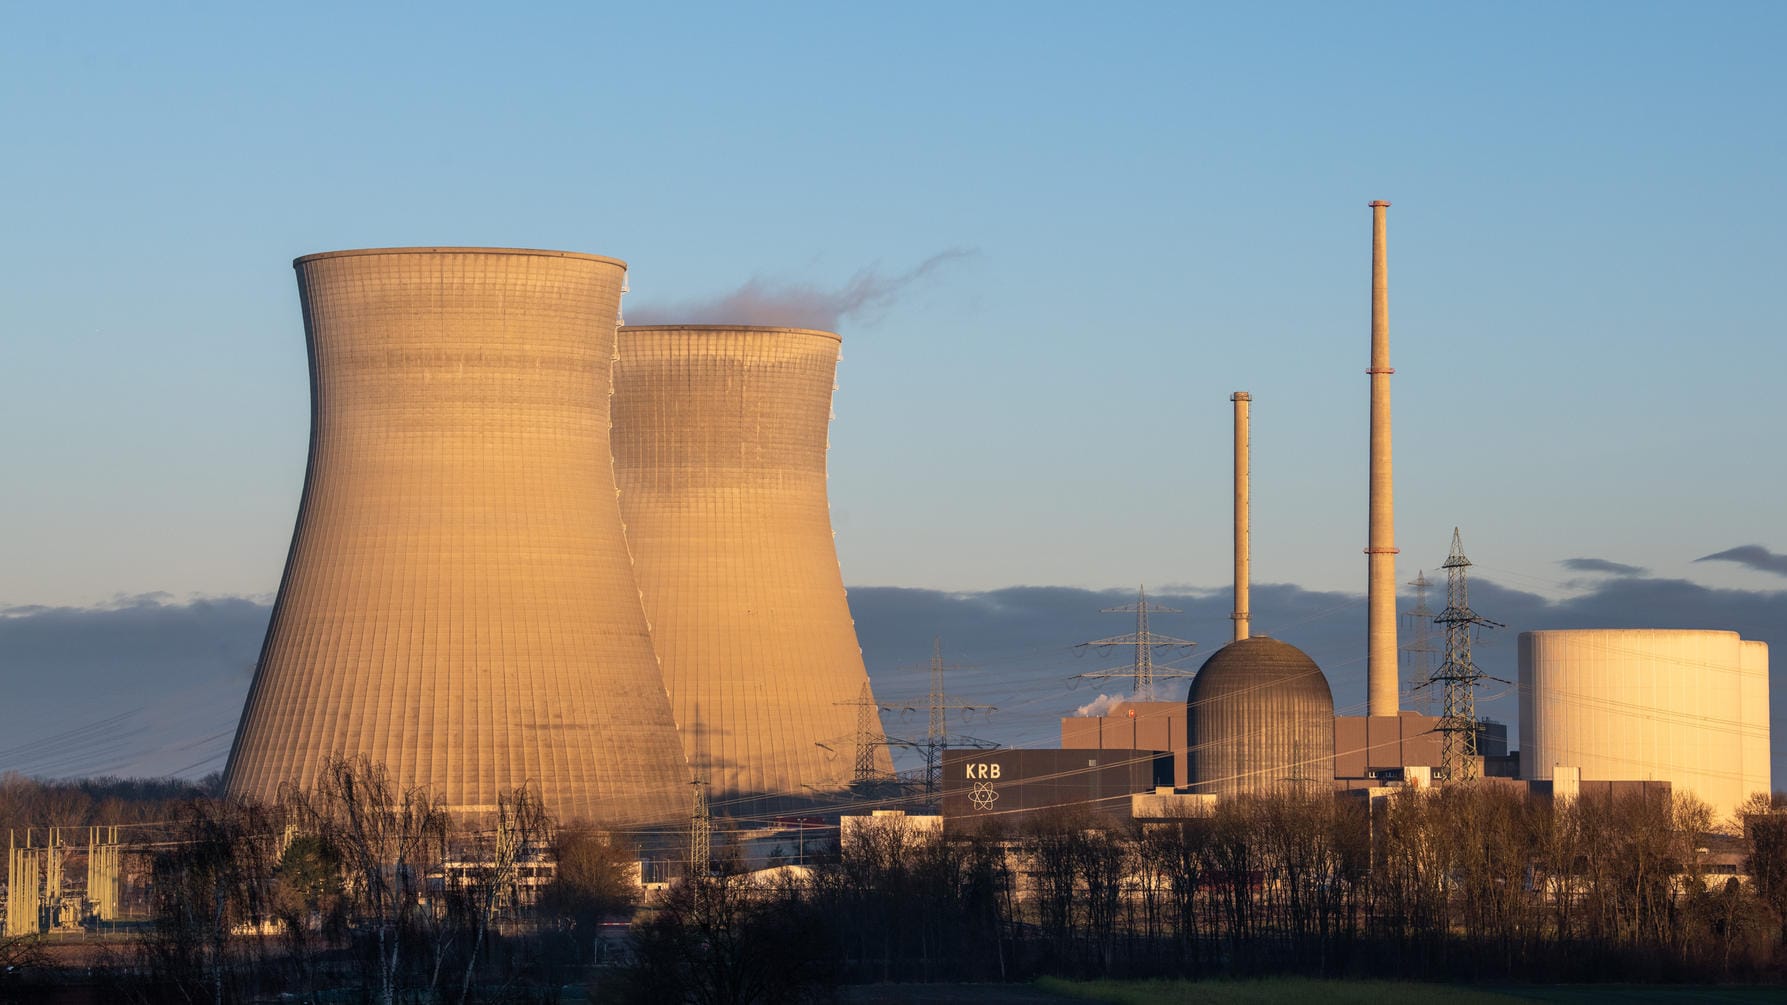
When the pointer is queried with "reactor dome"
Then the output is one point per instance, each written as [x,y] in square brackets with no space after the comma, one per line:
[1259,717]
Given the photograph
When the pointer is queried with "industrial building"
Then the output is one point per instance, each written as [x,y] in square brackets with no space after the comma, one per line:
[458,603]
[720,437]
[1368,746]
[1006,786]
[1686,707]
[1133,725]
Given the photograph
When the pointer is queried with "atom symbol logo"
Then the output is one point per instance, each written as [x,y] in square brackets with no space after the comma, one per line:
[982,796]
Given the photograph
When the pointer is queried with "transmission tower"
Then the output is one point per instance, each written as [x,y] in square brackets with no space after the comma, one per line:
[1417,653]
[1459,675]
[1144,642]
[701,831]
[701,821]
[869,735]
[937,739]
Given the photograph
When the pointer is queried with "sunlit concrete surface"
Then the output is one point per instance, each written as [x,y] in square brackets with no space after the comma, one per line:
[458,603]
[1683,706]
[720,437]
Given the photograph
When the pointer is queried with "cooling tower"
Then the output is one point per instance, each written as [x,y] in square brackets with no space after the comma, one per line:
[1259,718]
[1686,707]
[458,603]
[720,436]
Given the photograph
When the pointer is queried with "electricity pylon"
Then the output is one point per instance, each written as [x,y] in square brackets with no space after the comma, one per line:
[1143,672]
[1459,674]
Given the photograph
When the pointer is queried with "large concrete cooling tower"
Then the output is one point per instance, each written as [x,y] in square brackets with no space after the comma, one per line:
[458,602]
[719,448]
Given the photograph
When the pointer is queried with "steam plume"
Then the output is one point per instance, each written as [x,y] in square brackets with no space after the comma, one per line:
[1104,704]
[796,305]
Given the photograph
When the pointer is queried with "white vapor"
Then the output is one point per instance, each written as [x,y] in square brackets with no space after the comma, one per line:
[795,305]
[1104,704]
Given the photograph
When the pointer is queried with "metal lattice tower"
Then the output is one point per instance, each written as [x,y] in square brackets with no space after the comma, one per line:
[1458,673]
[1418,651]
[701,831]
[1144,642]
[938,705]
[864,770]
[701,820]
[937,737]
[868,735]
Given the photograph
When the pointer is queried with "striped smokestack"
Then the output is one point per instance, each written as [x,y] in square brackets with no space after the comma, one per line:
[1242,562]
[1382,691]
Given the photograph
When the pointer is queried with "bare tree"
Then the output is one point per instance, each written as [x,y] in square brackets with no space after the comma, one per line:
[386,841]
[520,830]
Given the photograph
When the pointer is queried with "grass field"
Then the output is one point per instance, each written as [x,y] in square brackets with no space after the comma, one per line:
[1298,989]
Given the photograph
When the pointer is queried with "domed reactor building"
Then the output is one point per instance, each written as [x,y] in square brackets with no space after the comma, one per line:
[458,603]
[1259,719]
[720,436]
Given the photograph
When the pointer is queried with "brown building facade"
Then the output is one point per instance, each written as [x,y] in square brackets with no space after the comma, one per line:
[1132,725]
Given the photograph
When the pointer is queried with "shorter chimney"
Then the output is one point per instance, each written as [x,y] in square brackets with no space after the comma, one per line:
[1242,560]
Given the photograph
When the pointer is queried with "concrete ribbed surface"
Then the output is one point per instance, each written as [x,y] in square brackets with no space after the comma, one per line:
[720,437]
[458,602]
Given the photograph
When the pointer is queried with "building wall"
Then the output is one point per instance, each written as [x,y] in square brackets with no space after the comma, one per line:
[458,603]
[1004,787]
[1157,725]
[1367,743]
[1753,700]
[1644,705]
[720,437]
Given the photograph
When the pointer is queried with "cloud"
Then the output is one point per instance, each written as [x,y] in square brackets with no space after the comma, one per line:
[150,687]
[1754,556]
[1602,565]
[796,305]
[137,686]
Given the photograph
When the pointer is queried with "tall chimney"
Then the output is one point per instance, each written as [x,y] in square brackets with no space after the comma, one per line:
[1380,665]
[1240,615]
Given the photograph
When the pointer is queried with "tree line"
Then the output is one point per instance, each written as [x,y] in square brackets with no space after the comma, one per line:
[357,886]
[1462,883]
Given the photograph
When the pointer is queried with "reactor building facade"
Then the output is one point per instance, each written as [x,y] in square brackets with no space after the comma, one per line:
[458,603]
[1688,707]
[1259,718]
[720,439]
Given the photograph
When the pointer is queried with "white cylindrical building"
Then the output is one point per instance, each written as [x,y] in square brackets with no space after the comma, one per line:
[1682,706]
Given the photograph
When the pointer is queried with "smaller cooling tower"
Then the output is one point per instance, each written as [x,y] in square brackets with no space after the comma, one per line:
[1259,718]
[720,435]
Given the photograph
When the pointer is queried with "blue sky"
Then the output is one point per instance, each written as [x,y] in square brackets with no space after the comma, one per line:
[1165,203]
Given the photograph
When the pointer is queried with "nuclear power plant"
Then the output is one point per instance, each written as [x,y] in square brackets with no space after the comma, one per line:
[720,435]
[538,548]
